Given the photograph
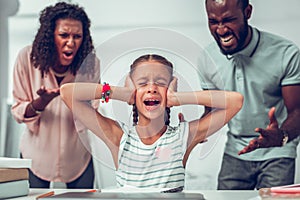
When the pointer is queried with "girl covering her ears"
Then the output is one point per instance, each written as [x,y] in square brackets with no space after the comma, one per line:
[151,153]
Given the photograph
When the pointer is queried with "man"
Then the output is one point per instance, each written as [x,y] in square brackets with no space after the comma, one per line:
[263,136]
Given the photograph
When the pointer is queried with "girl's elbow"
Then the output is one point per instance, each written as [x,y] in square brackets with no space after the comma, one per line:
[239,100]
[65,90]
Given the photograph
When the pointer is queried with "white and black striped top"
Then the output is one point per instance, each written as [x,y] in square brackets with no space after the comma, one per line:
[156,166]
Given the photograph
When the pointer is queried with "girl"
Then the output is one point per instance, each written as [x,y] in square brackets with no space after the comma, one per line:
[150,153]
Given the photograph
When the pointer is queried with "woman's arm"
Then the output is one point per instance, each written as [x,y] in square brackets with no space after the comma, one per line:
[77,97]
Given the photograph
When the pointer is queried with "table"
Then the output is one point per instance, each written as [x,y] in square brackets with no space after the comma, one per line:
[208,194]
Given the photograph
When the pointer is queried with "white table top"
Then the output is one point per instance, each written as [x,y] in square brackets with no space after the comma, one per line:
[208,194]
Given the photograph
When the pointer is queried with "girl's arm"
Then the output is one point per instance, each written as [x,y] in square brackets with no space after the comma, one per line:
[77,97]
[225,105]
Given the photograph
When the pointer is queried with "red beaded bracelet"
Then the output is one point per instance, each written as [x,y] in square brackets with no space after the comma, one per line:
[105,92]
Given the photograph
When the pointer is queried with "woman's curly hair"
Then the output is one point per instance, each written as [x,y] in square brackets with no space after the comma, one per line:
[159,59]
[44,53]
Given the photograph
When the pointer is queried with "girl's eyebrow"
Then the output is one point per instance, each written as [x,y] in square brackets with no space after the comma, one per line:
[155,78]
[161,78]
[142,78]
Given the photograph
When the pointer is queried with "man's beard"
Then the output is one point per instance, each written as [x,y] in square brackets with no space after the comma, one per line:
[241,40]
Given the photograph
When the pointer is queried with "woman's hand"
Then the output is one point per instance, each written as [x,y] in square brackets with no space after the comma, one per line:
[47,94]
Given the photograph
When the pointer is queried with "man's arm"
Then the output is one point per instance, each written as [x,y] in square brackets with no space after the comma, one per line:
[292,102]
[273,135]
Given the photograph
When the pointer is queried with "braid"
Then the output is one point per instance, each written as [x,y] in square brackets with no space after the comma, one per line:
[135,115]
[167,116]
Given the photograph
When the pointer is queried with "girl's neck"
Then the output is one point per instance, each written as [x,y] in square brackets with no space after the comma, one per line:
[151,132]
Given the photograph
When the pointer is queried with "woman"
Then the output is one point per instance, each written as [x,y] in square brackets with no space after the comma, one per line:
[62,52]
[151,153]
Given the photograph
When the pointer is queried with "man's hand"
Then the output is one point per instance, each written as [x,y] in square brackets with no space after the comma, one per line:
[181,119]
[270,137]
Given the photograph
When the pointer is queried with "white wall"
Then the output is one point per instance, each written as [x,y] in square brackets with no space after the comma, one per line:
[112,17]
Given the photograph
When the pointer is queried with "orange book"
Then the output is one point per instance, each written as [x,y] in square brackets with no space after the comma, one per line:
[13,174]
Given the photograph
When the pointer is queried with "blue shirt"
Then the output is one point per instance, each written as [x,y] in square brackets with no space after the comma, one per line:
[258,72]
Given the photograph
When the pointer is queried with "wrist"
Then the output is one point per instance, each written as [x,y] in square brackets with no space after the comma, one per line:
[34,109]
[285,137]
[40,103]
[122,93]
[106,92]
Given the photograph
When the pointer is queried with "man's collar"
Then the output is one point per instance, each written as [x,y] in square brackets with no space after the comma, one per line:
[250,49]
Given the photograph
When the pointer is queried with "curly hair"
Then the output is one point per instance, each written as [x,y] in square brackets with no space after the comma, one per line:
[159,59]
[44,53]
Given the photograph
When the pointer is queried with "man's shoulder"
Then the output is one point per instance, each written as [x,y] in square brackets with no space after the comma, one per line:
[275,39]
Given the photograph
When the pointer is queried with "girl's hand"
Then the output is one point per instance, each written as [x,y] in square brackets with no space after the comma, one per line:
[171,93]
[129,84]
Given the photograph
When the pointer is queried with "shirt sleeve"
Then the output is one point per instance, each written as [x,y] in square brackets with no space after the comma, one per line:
[207,69]
[291,66]
[184,132]
[23,93]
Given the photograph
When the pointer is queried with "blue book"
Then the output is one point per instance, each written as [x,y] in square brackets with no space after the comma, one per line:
[14,189]
[6,162]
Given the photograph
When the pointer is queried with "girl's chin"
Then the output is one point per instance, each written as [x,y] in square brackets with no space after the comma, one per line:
[154,115]
[151,108]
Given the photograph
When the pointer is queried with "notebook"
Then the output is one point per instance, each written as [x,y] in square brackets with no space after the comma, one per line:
[125,196]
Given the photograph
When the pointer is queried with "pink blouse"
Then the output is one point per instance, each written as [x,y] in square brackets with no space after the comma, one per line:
[51,139]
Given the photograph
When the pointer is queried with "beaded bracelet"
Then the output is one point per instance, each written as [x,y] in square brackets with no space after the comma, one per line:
[105,92]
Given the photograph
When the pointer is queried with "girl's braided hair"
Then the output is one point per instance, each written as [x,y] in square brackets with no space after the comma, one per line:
[145,58]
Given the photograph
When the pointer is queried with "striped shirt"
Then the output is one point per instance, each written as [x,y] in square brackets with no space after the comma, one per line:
[158,165]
